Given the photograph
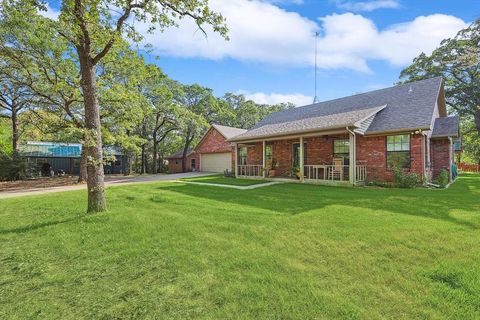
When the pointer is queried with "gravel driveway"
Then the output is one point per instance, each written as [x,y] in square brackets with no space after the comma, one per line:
[109,181]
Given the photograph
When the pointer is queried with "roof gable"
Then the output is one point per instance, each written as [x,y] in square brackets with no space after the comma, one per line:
[228,132]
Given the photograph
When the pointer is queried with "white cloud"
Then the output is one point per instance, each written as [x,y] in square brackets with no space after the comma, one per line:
[50,13]
[367,5]
[296,2]
[275,98]
[262,32]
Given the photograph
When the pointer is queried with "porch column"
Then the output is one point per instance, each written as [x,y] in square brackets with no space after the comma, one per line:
[450,158]
[236,160]
[263,159]
[301,160]
[353,161]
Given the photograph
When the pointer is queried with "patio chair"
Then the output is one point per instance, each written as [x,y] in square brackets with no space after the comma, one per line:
[229,173]
[336,171]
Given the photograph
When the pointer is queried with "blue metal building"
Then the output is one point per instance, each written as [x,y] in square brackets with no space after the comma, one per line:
[66,157]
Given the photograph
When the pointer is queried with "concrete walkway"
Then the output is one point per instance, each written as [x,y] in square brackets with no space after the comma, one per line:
[109,181]
[253,186]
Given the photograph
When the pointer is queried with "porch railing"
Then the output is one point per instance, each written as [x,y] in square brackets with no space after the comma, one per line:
[250,170]
[361,173]
[331,172]
[326,172]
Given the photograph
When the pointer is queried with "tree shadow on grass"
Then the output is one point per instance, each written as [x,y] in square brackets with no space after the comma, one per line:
[297,199]
[36,226]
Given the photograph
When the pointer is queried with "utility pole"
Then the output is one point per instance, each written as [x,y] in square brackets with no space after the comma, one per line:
[315,99]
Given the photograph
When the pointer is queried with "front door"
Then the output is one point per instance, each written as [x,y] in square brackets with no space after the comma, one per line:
[192,164]
[296,154]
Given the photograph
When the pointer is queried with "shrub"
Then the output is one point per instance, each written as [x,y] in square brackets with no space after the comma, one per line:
[12,169]
[402,179]
[443,178]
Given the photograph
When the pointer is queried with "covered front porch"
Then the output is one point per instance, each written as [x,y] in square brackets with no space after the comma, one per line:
[328,158]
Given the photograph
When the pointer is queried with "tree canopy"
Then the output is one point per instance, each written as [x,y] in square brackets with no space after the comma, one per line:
[457,60]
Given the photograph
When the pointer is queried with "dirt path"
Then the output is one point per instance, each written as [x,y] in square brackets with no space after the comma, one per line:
[43,188]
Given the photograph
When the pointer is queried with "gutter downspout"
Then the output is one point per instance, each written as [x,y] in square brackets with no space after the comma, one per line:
[353,157]
[424,166]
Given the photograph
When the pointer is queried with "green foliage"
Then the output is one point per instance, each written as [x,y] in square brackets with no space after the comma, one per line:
[246,113]
[12,169]
[402,179]
[470,143]
[457,60]
[443,178]
[5,137]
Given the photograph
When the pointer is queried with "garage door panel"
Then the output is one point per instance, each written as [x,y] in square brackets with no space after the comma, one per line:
[215,162]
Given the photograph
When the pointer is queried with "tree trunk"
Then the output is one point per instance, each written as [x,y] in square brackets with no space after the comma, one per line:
[143,164]
[188,140]
[82,177]
[128,167]
[15,133]
[155,154]
[93,145]
[477,120]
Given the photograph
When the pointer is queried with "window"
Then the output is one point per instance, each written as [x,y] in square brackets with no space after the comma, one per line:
[192,163]
[268,152]
[176,161]
[341,149]
[242,155]
[398,151]
[118,163]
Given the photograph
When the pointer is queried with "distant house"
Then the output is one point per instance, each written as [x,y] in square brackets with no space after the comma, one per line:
[354,139]
[212,154]
[65,157]
[175,162]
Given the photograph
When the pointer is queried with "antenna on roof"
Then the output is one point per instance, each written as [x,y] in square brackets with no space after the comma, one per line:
[315,99]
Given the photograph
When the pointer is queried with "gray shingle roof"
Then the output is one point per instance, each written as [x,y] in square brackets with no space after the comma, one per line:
[228,132]
[179,154]
[446,127]
[408,106]
[331,121]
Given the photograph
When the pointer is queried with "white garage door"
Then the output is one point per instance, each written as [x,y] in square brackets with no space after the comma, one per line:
[215,162]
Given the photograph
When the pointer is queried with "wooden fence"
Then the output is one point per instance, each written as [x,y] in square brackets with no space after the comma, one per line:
[469,167]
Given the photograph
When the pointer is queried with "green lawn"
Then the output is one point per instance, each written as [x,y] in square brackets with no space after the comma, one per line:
[289,251]
[220,179]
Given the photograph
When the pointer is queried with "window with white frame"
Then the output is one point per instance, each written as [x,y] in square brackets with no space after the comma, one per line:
[398,151]
[341,149]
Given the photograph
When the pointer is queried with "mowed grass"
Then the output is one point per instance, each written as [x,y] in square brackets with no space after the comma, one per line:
[290,251]
[220,179]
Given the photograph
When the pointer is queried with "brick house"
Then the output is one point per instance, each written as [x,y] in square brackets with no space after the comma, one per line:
[212,154]
[175,162]
[354,139]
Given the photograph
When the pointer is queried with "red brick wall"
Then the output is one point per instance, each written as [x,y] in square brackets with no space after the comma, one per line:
[213,142]
[439,149]
[175,165]
[282,153]
[372,152]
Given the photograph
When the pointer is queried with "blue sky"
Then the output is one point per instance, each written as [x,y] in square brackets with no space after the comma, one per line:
[363,45]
